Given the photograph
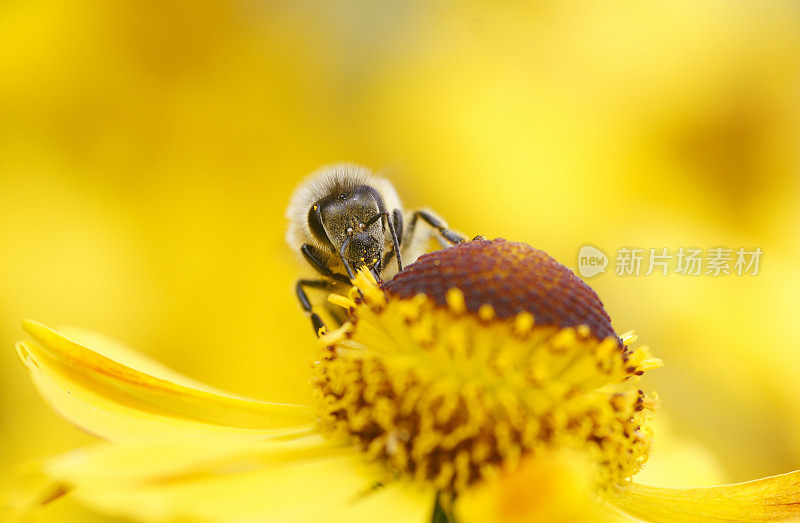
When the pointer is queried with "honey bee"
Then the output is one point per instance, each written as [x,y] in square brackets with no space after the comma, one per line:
[342,218]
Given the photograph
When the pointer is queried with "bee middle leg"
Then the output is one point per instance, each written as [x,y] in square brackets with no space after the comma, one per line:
[448,234]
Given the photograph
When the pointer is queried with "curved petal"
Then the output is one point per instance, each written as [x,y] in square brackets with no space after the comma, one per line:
[109,413]
[304,479]
[766,499]
[553,486]
[57,362]
[120,353]
[676,461]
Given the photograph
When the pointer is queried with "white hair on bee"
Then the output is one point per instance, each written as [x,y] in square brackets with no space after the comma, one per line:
[323,182]
[343,219]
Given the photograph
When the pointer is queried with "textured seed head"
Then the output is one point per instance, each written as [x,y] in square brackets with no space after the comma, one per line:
[509,277]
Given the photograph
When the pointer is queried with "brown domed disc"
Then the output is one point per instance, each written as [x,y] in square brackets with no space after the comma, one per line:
[512,277]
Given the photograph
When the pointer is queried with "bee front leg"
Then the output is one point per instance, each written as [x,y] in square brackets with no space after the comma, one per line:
[349,268]
[397,218]
[317,260]
[395,231]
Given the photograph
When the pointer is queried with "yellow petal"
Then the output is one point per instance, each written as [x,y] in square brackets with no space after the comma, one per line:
[111,414]
[552,487]
[676,461]
[766,499]
[57,362]
[159,460]
[27,492]
[114,350]
[303,479]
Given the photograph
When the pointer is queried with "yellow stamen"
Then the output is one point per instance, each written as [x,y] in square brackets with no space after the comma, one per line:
[439,395]
[486,312]
[341,301]
[455,300]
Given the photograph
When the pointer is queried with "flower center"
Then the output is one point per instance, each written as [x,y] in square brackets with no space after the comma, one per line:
[449,393]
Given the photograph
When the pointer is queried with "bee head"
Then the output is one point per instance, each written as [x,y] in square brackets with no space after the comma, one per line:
[348,220]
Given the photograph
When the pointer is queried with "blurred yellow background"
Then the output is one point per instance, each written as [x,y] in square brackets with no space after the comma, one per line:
[148,151]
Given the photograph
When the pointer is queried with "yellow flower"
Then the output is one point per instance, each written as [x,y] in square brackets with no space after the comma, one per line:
[555,487]
[480,372]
